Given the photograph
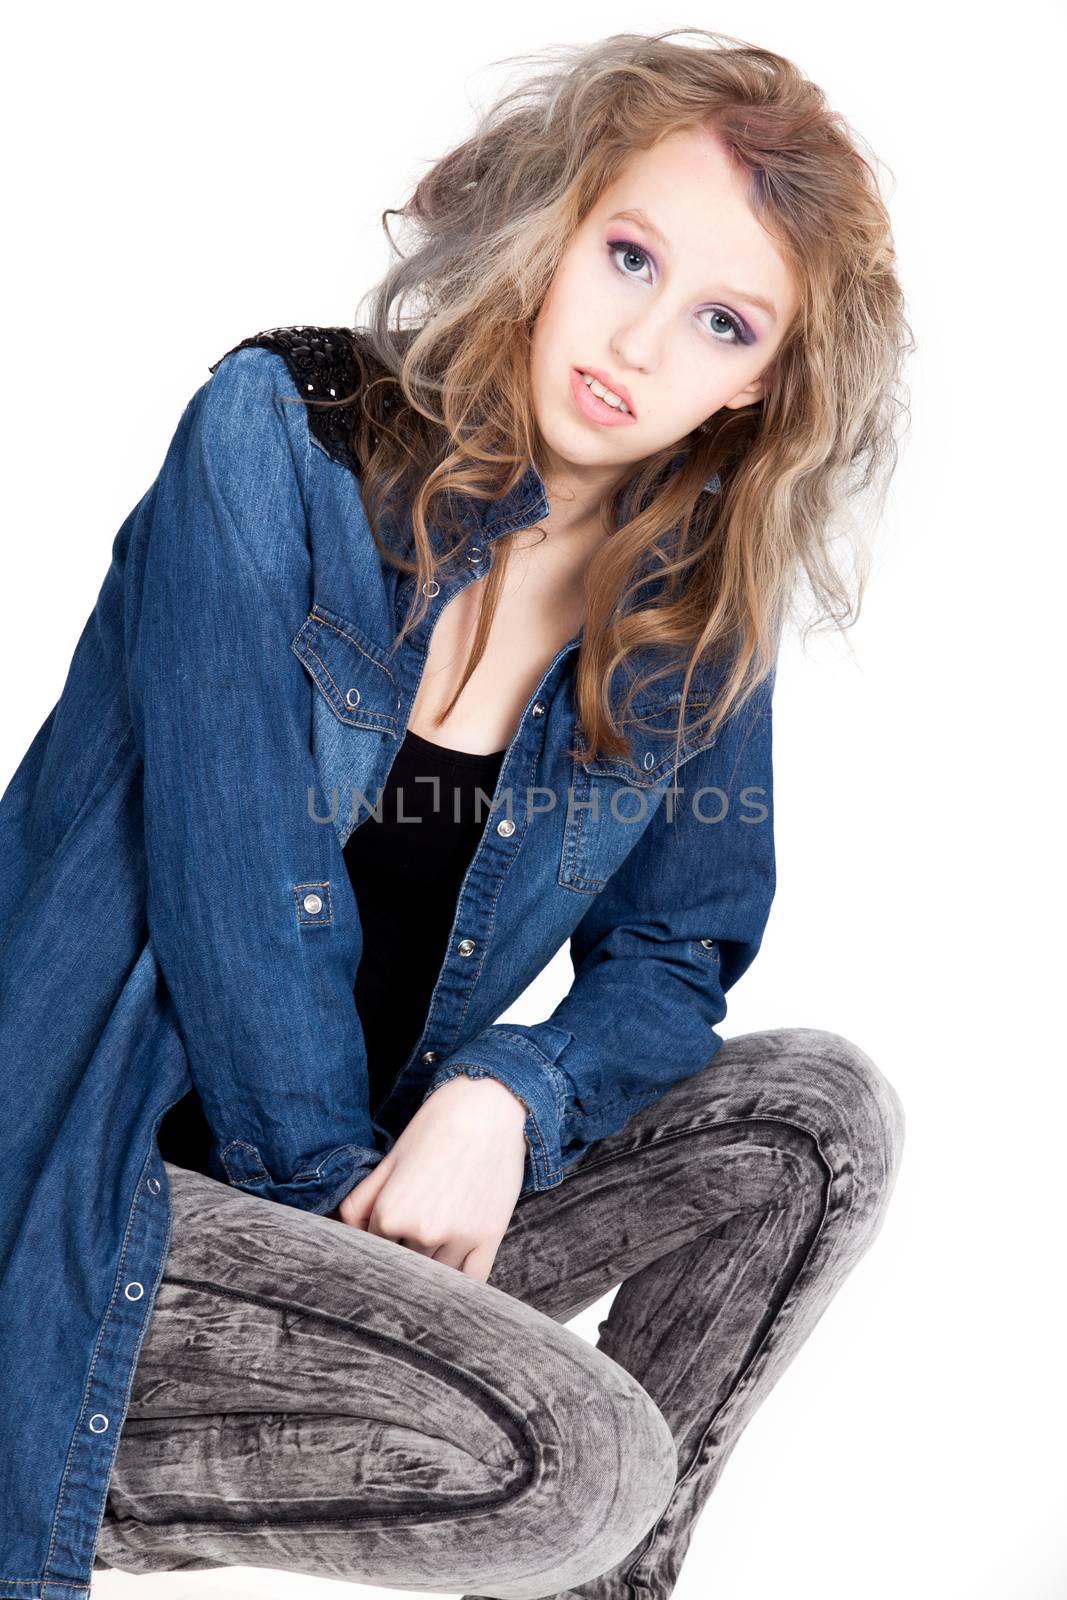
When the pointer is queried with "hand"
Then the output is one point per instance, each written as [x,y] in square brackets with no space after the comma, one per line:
[448,1186]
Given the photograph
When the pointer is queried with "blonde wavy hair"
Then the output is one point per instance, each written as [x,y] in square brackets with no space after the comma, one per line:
[445,407]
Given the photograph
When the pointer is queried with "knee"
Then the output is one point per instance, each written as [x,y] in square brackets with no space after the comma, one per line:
[624,1467]
[611,1478]
[863,1109]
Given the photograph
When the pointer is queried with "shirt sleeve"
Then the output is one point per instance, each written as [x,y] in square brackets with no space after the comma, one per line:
[249,905]
[671,931]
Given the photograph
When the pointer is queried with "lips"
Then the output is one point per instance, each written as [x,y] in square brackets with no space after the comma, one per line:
[595,410]
[609,383]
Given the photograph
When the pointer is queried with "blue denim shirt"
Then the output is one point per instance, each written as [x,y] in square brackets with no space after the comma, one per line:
[176,911]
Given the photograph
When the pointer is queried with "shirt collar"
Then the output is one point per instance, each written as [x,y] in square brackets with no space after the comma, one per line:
[527,503]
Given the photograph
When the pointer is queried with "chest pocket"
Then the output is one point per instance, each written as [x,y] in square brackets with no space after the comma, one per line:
[354,712]
[613,799]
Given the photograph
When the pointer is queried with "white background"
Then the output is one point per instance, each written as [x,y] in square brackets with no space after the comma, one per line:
[177,178]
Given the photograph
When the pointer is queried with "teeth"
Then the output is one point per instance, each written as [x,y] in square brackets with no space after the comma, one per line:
[605,394]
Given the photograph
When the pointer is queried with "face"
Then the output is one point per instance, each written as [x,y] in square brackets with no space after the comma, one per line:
[662,307]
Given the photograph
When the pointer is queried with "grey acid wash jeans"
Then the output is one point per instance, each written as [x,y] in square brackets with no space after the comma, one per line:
[320,1399]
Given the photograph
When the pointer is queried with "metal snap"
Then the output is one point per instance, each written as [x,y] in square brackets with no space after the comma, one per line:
[153,1185]
[98,1424]
[505,828]
[352,697]
[312,904]
[429,1056]
[134,1291]
[466,947]
[709,944]
[650,760]
[431,587]
[474,554]
[538,710]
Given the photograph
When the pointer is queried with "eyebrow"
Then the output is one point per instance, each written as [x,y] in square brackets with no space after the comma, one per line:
[634,214]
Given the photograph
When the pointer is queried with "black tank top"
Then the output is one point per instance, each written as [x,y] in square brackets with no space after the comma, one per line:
[406,877]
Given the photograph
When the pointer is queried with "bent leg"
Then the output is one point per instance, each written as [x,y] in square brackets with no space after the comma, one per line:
[323,1400]
[730,1211]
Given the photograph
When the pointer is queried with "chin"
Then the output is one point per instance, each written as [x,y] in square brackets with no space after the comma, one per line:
[571,449]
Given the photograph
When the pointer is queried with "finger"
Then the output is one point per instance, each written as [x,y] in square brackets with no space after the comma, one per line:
[417,1245]
[453,1253]
[357,1205]
[478,1263]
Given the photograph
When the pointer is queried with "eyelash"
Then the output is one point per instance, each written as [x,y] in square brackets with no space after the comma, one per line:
[743,333]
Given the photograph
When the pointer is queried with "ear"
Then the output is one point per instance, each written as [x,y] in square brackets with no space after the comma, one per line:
[745,397]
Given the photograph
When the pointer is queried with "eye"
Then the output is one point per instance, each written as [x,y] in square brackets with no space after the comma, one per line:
[618,247]
[736,331]
[733,325]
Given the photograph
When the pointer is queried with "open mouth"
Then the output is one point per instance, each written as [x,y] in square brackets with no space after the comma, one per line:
[597,402]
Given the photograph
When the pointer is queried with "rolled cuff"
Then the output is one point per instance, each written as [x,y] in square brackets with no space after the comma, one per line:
[319,1189]
[520,1066]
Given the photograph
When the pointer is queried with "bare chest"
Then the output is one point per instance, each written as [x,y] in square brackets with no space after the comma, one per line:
[540,608]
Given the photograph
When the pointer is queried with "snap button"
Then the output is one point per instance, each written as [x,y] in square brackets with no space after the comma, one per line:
[650,760]
[431,587]
[98,1424]
[429,1056]
[466,947]
[505,827]
[474,554]
[538,710]
[352,698]
[709,944]
[134,1291]
[312,904]
[153,1185]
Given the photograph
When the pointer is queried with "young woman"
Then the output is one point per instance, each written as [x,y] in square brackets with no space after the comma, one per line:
[291,1223]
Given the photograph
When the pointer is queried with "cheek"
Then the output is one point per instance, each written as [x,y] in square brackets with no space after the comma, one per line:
[570,301]
[545,327]
[693,396]
[551,347]
[686,407]
[719,385]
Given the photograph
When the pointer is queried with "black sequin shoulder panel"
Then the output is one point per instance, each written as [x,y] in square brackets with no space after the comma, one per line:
[323,366]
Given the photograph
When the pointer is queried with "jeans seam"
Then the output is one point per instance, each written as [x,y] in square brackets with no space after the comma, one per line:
[637,1566]
[515,1425]
[700,1127]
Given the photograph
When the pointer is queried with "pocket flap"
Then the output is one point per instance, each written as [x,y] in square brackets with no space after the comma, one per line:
[350,669]
[651,726]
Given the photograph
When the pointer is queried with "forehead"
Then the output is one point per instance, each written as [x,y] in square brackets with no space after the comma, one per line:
[681,166]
